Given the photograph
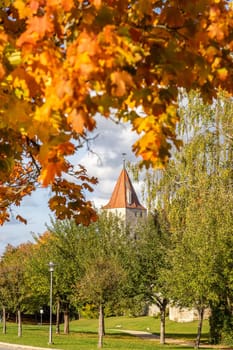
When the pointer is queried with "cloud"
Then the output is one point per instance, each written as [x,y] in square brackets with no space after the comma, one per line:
[105,159]
[102,159]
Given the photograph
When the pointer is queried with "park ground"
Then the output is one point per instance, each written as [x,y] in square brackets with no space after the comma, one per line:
[140,333]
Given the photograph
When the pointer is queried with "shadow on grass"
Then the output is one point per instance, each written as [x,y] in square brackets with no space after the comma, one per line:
[34,328]
[190,336]
[115,334]
[81,332]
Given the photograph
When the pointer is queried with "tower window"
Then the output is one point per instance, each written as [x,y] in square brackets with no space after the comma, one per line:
[129,196]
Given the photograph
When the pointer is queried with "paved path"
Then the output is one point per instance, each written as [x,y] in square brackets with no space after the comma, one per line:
[151,336]
[140,334]
[8,346]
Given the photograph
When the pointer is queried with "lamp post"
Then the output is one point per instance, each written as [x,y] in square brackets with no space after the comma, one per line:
[41,315]
[51,269]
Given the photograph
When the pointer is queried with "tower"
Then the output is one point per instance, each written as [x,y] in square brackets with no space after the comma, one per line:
[124,201]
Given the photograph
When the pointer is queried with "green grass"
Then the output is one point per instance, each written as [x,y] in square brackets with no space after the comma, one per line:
[83,334]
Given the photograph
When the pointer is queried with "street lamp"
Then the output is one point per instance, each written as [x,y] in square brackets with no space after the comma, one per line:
[51,269]
[41,315]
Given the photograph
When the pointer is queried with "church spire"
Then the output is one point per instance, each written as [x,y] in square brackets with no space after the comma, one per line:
[123,157]
[124,201]
[124,195]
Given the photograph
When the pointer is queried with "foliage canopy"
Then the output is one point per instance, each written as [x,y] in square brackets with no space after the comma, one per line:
[63,62]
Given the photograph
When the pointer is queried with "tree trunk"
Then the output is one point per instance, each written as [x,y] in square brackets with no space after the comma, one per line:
[162,305]
[66,322]
[19,324]
[103,321]
[3,320]
[101,324]
[199,329]
[58,317]
[162,325]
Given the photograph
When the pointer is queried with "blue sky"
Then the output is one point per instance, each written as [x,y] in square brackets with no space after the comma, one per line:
[105,163]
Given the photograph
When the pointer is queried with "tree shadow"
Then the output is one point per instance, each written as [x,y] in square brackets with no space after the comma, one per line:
[189,336]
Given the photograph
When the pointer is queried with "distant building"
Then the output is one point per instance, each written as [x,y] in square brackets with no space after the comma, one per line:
[185,314]
[124,201]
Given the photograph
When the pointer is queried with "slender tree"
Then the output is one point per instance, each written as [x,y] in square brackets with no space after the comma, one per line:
[104,276]
[67,252]
[149,263]
[13,280]
[103,282]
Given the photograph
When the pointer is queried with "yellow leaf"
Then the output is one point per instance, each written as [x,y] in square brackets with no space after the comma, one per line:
[23,9]
[97,3]
[222,73]
[216,63]
[14,58]
[130,102]
[210,53]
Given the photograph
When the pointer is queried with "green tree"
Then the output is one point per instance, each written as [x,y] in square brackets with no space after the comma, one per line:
[194,191]
[102,283]
[59,245]
[149,260]
[66,239]
[104,277]
[14,292]
[38,277]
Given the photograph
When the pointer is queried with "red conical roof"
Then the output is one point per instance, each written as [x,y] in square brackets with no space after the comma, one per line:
[124,195]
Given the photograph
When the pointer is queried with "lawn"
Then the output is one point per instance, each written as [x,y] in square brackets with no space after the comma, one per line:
[83,334]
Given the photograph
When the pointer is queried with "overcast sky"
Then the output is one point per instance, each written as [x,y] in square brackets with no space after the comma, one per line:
[105,164]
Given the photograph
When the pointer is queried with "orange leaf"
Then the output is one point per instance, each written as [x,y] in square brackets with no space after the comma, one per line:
[34,5]
[66,148]
[2,71]
[216,31]
[79,119]
[49,172]
[67,4]
[120,81]
[97,3]
[37,28]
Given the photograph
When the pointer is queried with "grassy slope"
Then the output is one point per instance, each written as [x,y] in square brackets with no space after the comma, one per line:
[84,336]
